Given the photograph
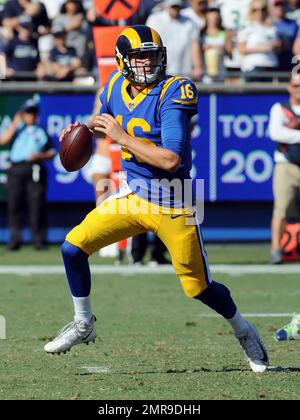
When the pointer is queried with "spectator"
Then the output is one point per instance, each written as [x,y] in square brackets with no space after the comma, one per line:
[291,331]
[52,7]
[71,19]
[234,15]
[196,12]
[16,11]
[293,11]
[181,37]
[284,128]
[287,31]
[27,175]
[258,42]
[22,53]
[64,60]
[213,42]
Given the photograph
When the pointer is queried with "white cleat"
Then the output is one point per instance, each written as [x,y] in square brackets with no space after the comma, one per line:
[254,348]
[77,332]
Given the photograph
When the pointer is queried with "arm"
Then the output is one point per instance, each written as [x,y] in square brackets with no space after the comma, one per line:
[156,156]
[76,63]
[37,157]
[296,47]
[229,43]
[47,152]
[10,23]
[197,61]
[62,71]
[263,48]
[278,129]
[8,135]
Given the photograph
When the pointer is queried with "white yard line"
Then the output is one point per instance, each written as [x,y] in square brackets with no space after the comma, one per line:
[230,269]
[250,315]
[96,369]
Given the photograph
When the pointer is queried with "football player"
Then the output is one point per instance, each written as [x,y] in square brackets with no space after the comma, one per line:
[149,115]
[291,331]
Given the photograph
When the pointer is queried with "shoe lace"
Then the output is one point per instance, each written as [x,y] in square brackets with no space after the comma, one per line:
[67,328]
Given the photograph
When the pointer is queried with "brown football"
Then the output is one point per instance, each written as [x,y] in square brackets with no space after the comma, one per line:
[76,148]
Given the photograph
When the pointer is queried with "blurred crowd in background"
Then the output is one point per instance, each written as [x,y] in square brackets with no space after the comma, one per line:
[208,41]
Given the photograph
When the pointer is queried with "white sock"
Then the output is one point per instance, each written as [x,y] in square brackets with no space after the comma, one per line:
[82,307]
[238,323]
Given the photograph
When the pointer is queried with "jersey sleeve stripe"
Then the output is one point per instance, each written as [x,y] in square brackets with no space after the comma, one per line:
[166,87]
[182,102]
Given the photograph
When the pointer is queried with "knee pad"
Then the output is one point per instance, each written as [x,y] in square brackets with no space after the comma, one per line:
[71,251]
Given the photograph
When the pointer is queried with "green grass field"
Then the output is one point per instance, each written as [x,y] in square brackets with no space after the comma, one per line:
[153,342]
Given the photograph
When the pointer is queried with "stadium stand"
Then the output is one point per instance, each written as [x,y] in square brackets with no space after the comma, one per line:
[218,41]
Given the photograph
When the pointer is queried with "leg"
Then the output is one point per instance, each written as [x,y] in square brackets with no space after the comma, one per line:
[36,191]
[290,331]
[189,259]
[109,223]
[158,252]
[277,227]
[285,204]
[138,247]
[15,205]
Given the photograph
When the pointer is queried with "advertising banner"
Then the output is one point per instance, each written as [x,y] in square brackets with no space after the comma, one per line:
[232,149]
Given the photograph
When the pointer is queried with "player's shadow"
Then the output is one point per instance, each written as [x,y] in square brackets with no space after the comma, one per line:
[191,371]
[170,371]
[281,369]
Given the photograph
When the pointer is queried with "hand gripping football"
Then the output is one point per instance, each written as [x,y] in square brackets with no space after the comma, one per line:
[76,148]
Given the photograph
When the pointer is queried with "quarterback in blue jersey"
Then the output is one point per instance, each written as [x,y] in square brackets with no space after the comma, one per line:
[149,115]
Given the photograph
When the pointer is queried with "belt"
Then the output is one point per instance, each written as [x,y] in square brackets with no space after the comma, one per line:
[22,162]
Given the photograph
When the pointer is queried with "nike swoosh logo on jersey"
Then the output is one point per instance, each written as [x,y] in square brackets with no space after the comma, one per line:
[174,216]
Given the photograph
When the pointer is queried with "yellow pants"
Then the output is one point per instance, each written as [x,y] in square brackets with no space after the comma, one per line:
[120,218]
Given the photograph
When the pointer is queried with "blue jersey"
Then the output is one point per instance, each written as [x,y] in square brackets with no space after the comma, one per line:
[159,116]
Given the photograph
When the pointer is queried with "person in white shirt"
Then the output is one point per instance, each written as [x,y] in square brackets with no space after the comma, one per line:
[234,13]
[284,129]
[53,7]
[196,12]
[181,37]
[258,42]
[234,16]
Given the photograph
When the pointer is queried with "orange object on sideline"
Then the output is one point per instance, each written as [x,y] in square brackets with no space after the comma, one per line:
[116,9]
[290,243]
[105,40]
